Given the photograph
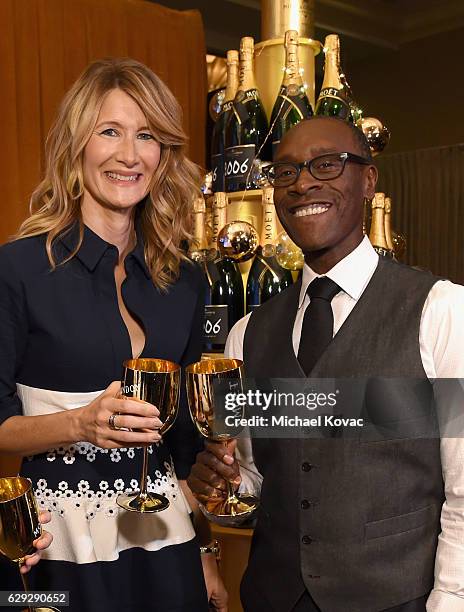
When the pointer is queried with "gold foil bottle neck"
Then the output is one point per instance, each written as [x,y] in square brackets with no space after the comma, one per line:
[247,77]
[377,231]
[269,223]
[291,38]
[379,200]
[332,63]
[332,43]
[292,66]
[199,246]
[199,205]
[219,215]
[388,227]
[268,195]
[220,199]
[232,75]
[232,56]
[247,45]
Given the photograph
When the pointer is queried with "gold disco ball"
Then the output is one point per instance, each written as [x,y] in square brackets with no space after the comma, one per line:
[287,254]
[215,104]
[207,185]
[399,244]
[377,134]
[238,241]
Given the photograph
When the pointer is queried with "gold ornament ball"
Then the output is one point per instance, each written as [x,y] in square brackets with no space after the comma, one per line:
[399,244]
[215,104]
[238,241]
[377,134]
[288,255]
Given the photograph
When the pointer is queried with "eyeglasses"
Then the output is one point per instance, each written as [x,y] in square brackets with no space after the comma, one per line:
[323,168]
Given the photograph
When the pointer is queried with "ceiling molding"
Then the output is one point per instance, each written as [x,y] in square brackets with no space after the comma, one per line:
[433,19]
[377,27]
[220,41]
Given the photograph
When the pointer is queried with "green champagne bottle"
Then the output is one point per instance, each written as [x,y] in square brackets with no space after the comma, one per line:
[266,277]
[219,131]
[333,100]
[224,292]
[292,104]
[247,129]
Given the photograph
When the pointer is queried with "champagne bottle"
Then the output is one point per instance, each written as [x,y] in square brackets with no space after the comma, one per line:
[356,110]
[292,104]
[199,248]
[377,231]
[224,293]
[333,100]
[266,277]
[388,227]
[396,242]
[218,138]
[247,128]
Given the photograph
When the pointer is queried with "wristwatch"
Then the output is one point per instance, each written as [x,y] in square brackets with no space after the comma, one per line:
[214,547]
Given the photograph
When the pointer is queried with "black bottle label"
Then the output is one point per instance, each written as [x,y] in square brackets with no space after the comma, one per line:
[331,92]
[291,98]
[216,324]
[238,164]
[217,169]
[240,102]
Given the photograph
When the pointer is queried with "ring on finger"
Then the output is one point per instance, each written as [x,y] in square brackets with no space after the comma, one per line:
[111,422]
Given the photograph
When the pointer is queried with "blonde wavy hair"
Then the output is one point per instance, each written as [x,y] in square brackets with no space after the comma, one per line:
[165,216]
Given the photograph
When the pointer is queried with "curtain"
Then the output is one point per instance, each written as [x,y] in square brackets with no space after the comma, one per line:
[427,191]
[45,45]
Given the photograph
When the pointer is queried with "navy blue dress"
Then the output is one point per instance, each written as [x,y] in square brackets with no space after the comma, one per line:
[62,342]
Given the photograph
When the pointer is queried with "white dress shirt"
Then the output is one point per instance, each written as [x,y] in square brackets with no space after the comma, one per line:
[441,342]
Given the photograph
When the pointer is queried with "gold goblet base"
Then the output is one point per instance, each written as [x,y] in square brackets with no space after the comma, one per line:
[230,512]
[149,503]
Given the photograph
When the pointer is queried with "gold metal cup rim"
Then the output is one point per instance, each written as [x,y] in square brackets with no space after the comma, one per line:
[13,487]
[213,366]
[151,365]
[302,40]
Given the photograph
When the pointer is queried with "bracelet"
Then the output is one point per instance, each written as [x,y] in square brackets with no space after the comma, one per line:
[214,547]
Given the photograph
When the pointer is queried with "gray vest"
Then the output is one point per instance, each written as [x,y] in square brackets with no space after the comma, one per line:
[353,521]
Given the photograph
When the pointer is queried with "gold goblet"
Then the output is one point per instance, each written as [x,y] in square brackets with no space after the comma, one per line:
[208,382]
[156,381]
[19,524]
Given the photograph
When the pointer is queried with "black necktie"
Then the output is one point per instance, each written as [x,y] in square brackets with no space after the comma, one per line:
[317,330]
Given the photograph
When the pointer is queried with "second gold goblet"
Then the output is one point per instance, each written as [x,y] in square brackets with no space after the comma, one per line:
[19,524]
[155,381]
[208,383]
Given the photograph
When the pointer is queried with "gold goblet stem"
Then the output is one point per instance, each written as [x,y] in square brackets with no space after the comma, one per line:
[25,583]
[232,501]
[143,478]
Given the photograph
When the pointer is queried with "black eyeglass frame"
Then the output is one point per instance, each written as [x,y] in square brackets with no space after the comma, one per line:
[308,164]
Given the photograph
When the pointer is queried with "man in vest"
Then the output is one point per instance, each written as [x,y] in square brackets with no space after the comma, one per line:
[349,525]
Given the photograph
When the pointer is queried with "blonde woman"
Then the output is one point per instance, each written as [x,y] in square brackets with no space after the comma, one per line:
[95,275]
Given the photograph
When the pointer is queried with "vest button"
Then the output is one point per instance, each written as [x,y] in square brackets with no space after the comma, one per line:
[306,466]
[305,504]
[306,539]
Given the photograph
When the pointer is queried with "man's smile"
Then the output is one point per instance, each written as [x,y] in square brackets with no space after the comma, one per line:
[310,208]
